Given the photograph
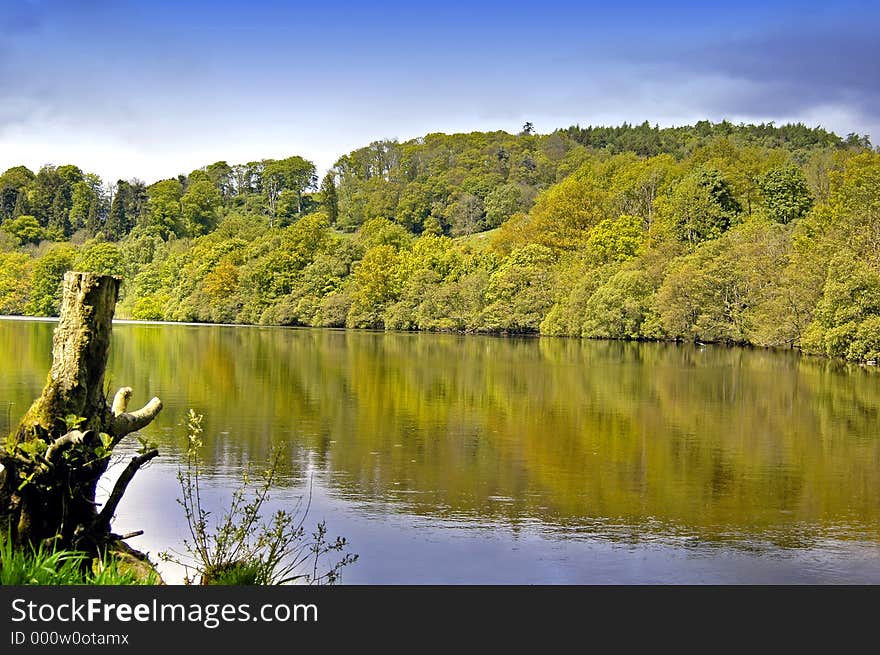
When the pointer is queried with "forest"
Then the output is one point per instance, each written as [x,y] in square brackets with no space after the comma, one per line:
[746,234]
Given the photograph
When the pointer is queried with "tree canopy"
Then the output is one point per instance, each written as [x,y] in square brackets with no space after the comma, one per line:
[714,232]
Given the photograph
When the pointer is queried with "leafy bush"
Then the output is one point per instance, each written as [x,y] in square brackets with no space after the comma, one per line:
[242,548]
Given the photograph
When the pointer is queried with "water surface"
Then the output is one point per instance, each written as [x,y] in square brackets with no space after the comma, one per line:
[465,459]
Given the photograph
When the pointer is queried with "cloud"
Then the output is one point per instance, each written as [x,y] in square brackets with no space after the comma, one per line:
[150,97]
[787,73]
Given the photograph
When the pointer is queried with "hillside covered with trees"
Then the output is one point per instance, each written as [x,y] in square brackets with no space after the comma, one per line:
[714,232]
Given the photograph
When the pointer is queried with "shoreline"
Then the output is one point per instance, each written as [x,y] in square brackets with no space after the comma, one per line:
[868,365]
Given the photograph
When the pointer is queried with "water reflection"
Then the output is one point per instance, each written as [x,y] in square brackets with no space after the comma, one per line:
[698,449]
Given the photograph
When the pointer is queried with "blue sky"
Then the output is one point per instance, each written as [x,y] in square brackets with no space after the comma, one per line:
[153,89]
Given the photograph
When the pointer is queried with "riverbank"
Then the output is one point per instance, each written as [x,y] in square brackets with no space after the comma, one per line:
[869,364]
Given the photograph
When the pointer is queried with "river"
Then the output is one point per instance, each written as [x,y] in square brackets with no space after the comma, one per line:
[471,459]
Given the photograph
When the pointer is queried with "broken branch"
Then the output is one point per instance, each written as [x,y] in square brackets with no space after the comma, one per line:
[65,443]
[129,422]
[102,521]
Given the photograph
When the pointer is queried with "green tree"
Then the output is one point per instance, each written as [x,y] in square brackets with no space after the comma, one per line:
[432,226]
[702,207]
[638,184]
[848,312]
[717,292]
[501,203]
[786,193]
[564,213]
[15,282]
[381,231]
[466,214]
[615,240]
[42,194]
[118,223]
[414,207]
[287,207]
[619,307]
[88,209]
[378,282]
[576,282]
[198,207]
[418,288]
[164,216]
[329,197]
[51,197]
[24,228]
[49,270]
[100,257]
[127,209]
[520,292]
[294,174]
[221,176]
[13,191]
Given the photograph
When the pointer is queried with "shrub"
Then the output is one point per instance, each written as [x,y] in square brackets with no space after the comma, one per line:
[242,548]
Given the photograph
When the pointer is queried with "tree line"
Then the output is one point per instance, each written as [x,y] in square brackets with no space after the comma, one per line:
[714,232]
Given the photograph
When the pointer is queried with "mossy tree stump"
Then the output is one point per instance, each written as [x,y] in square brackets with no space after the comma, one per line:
[52,462]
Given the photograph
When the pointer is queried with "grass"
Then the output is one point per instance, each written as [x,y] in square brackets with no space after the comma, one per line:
[40,566]
[477,241]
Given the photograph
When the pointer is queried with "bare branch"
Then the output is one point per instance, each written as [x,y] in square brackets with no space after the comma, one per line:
[102,521]
[65,443]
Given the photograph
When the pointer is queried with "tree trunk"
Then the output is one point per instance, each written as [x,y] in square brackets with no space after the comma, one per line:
[62,447]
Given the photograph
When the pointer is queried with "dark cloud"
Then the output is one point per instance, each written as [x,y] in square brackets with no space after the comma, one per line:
[792,72]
